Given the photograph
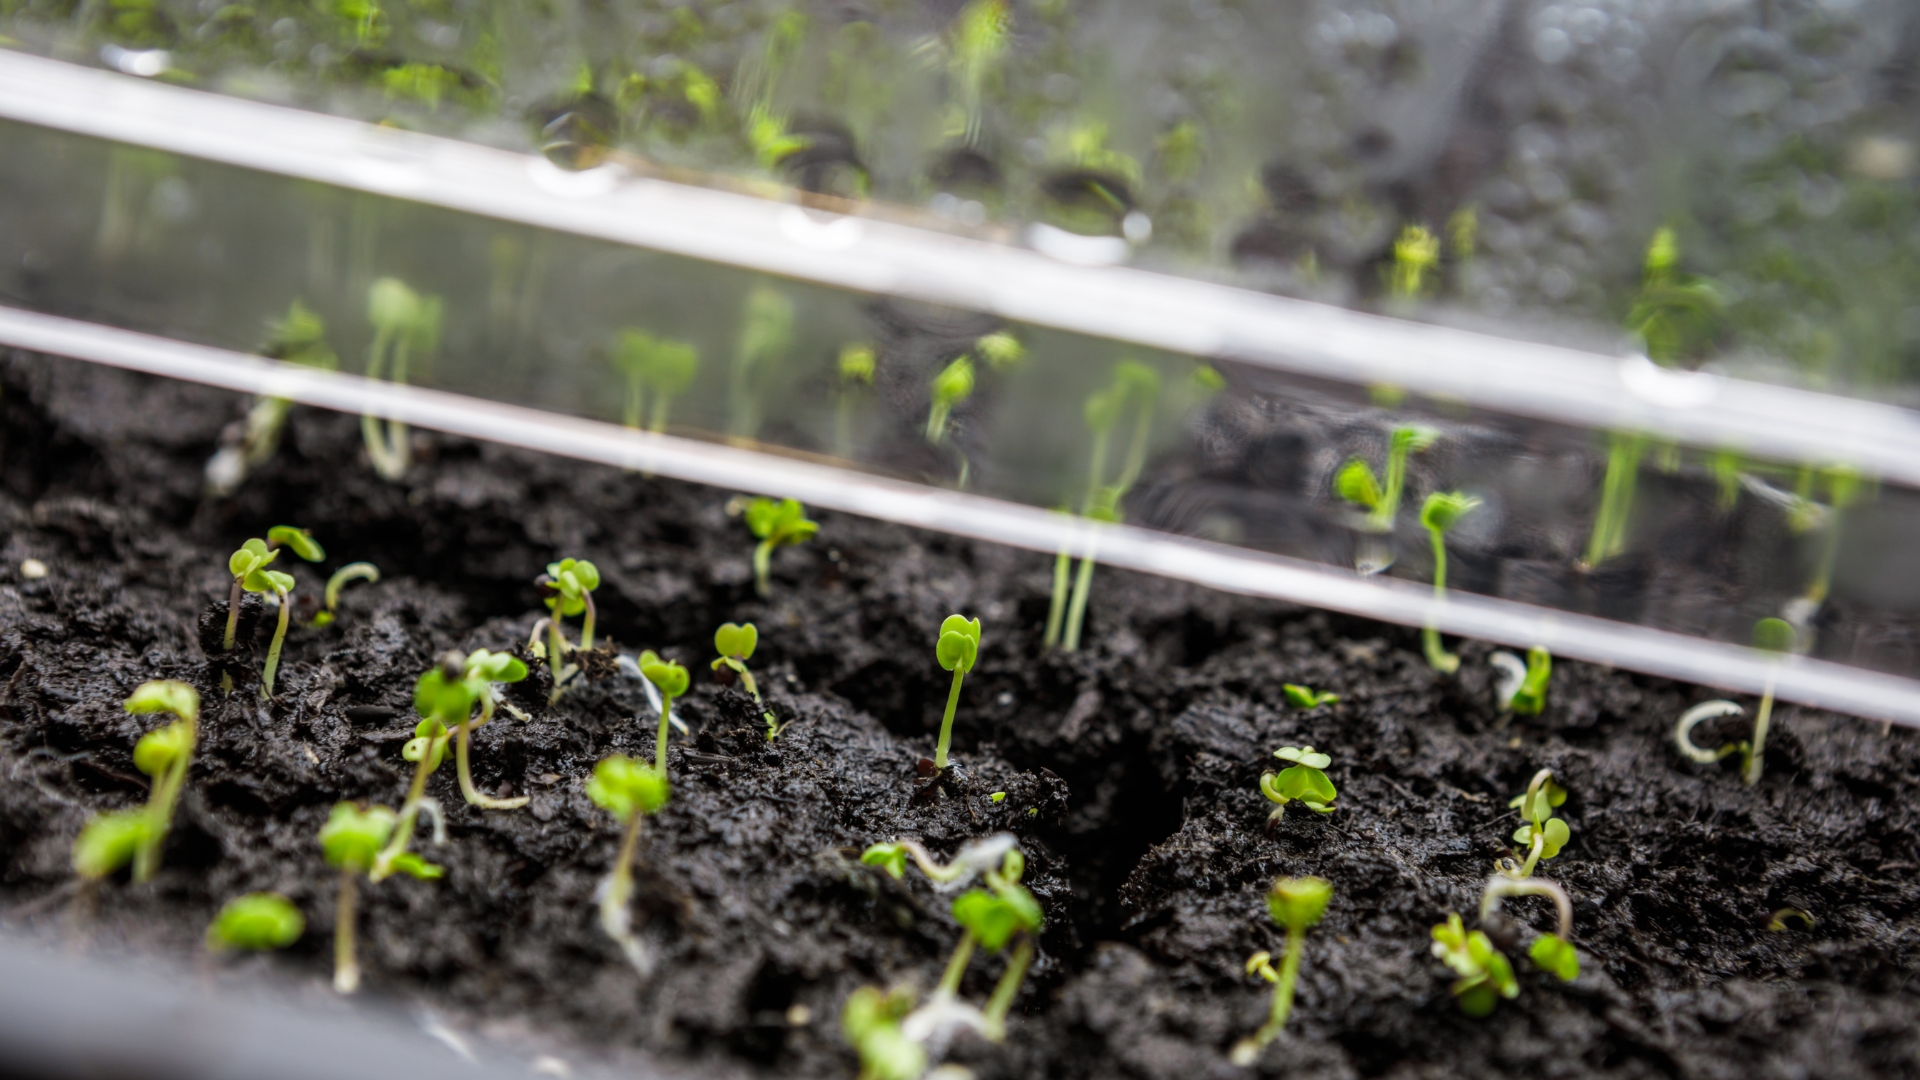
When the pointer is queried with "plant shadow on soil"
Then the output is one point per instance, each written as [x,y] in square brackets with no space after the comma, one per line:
[1130,772]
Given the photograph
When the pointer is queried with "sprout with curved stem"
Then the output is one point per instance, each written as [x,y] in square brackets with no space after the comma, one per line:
[1304,780]
[629,791]
[1553,954]
[1773,636]
[358,571]
[569,585]
[1441,512]
[256,922]
[671,679]
[775,524]
[403,322]
[1541,835]
[479,672]
[989,918]
[1294,904]
[1356,483]
[973,859]
[1523,685]
[957,648]
[735,644]
[952,386]
[111,840]
[1777,922]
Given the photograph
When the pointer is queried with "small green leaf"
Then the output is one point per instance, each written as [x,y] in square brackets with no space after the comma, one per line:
[999,349]
[736,640]
[954,384]
[1297,903]
[417,746]
[622,786]
[352,838]
[256,921]
[298,541]
[1356,484]
[1103,409]
[1304,697]
[956,651]
[857,364]
[1307,783]
[1555,957]
[1773,635]
[889,857]
[449,701]
[165,695]
[493,667]
[108,841]
[670,677]
[414,866]
[1557,834]
[157,750]
[1476,1000]
[1443,509]
[391,306]
[997,797]
[995,918]
[1303,755]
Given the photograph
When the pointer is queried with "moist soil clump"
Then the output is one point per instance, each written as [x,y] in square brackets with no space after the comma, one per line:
[1129,773]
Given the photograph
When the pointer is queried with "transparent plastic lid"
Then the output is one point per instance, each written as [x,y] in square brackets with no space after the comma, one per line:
[1609,508]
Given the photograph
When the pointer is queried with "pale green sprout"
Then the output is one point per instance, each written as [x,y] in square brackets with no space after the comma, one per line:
[1304,779]
[1441,512]
[735,644]
[629,791]
[404,323]
[1295,904]
[1416,253]
[975,45]
[973,859]
[249,566]
[1624,451]
[256,922]
[1541,835]
[664,367]
[1356,483]
[569,585]
[443,698]
[352,840]
[957,648]
[1138,385]
[111,840]
[1554,953]
[1777,922]
[1484,975]
[775,525]
[671,680]
[991,918]
[870,1021]
[857,366]
[1523,684]
[1000,350]
[1770,635]
[766,333]
[359,571]
[952,386]
[1305,697]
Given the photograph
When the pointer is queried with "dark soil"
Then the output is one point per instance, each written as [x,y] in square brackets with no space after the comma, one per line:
[1129,769]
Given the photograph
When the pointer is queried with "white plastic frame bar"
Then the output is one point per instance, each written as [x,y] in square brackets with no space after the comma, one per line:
[1814,682]
[1158,310]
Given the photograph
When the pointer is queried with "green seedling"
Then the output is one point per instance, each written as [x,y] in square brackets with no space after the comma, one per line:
[952,386]
[1523,685]
[352,841]
[1441,512]
[1294,904]
[1416,253]
[969,862]
[1356,483]
[1303,779]
[1541,835]
[478,674]
[1000,350]
[256,922]
[629,791]
[766,333]
[666,368]
[957,648]
[1624,451]
[1138,385]
[569,585]
[976,44]
[1777,922]
[298,339]
[359,571]
[1305,697]
[113,839]
[1485,976]
[775,525]
[1553,954]
[870,1020]
[991,917]
[250,574]
[1676,315]
[671,679]
[857,366]
[735,644]
[1770,635]
[404,323]
[443,697]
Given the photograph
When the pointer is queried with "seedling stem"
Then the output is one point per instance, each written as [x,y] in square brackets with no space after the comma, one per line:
[957,649]
[1296,904]
[1438,514]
